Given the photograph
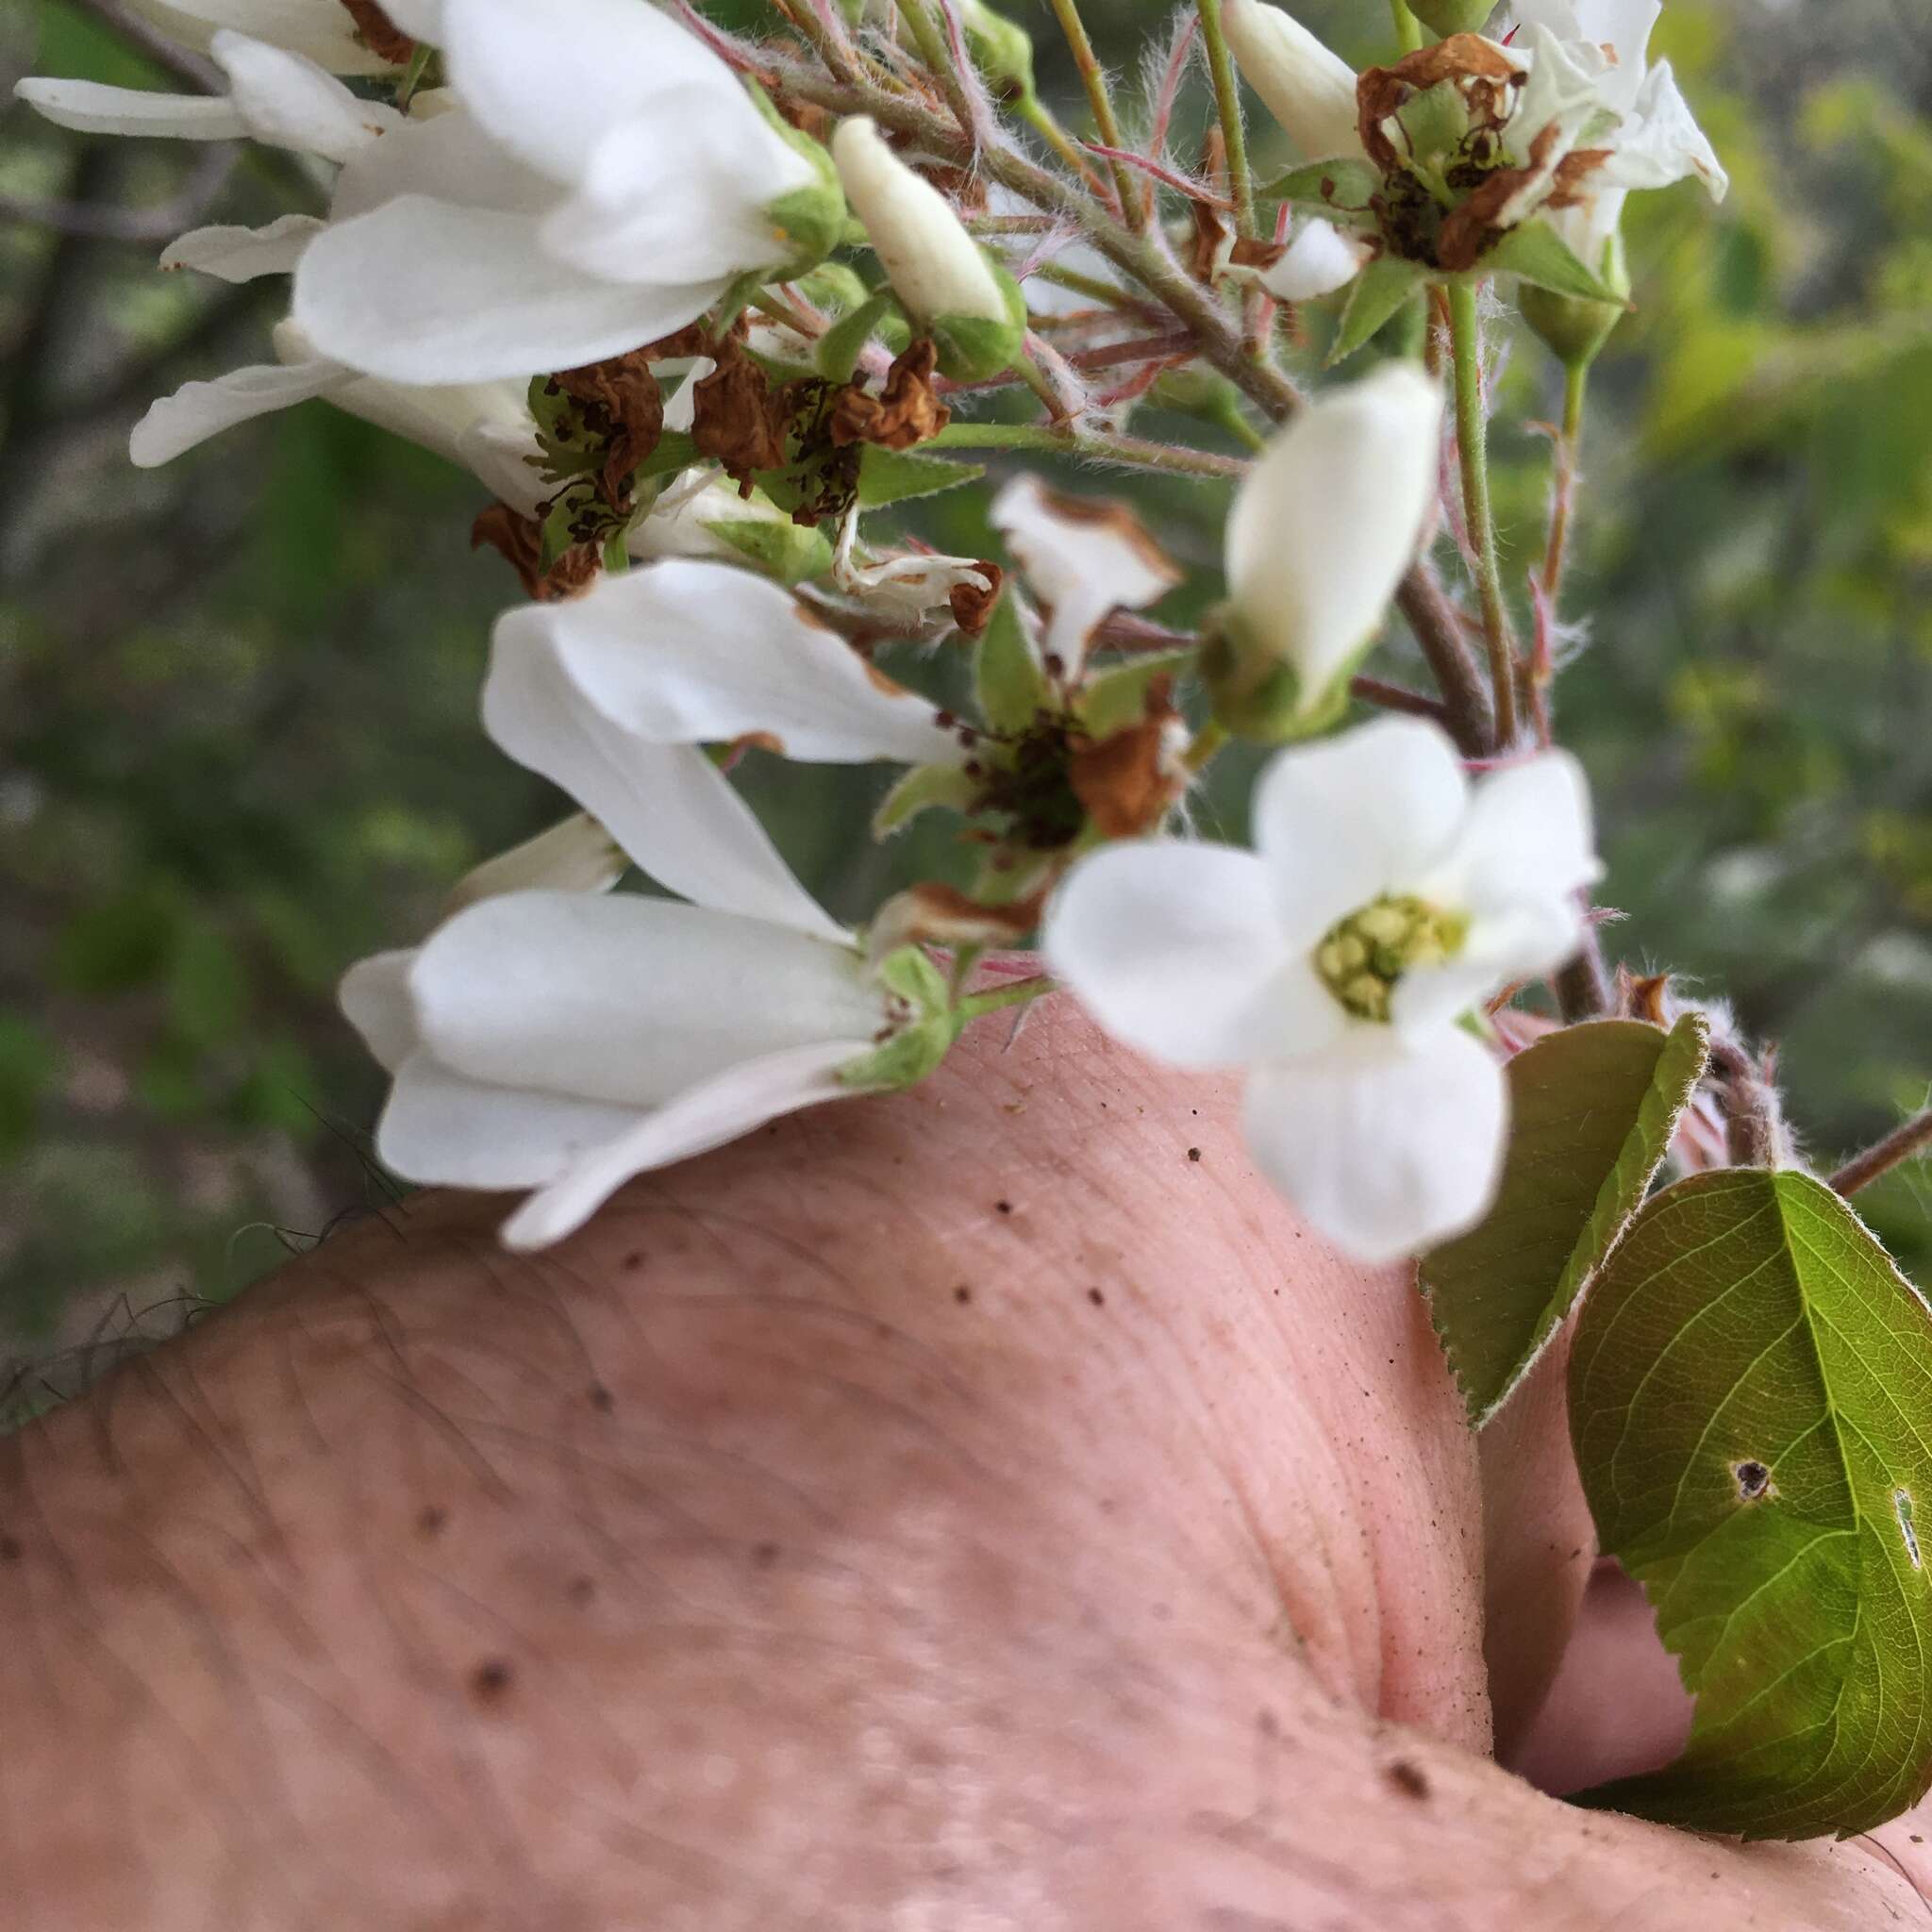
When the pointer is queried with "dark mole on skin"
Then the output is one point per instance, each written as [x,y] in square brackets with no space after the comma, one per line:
[601,1398]
[962,1293]
[1409,1779]
[490,1680]
[10,1551]
[1194,1153]
[432,1519]
[764,1554]
[634,1260]
[1094,1295]
[582,1589]
[1004,1207]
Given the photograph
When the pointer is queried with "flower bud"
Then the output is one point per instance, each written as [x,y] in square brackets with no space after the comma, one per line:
[1446,17]
[1321,530]
[971,306]
[1309,89]
[1001,49]
[1573,328]
[809,219]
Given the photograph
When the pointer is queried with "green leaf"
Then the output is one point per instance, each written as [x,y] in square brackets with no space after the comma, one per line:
[921,789]
[840,347]
[1374,297]
[1592,1112]
[1538,255]
[1339,185]
[783,549]
[1010,677]
[895,475]
[1750,1404]
[1116,696]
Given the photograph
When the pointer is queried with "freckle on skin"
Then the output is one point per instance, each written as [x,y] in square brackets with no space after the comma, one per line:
[432,1520]
[1094,1295]
[601,1398]
[490,1680]
[1004,1207]
[1194,1153]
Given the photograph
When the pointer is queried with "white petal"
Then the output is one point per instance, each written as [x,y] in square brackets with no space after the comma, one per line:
[504,457]
[421,291]
[444,1130]
[290,101]
[576,855]
[198,411]
[678,196]
[625,999]
[448,159]
[375,996]
[419,19]
[692,652]
[1342,822]
[629,58]
[1085,558]
[322,29]
[1569,83]
[724,1109]
[1318,260]
[1328,520]
[88,106]
[1310,90]
[240,255]
[934,265]
[1175,949]
[1500,948]
[1528,838]
[1661,143]
[1385,1146]
[667,804]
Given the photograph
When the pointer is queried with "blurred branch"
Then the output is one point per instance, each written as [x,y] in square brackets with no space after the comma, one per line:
[169,56]
[98,222]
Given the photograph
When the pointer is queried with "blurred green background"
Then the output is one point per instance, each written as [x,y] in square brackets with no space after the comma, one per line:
[238,737]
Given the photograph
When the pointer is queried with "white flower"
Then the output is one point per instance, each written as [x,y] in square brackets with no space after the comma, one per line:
[1325,525]
[614,694]
[1656,139]
[1386,900]
[1309,89]
[275,95]
[576,854]
[322,31]
[564,1041]
[604,179]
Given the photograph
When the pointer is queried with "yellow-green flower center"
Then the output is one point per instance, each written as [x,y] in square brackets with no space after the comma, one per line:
[1362,957]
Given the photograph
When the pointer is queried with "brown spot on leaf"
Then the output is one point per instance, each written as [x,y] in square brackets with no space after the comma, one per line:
[1753,1480]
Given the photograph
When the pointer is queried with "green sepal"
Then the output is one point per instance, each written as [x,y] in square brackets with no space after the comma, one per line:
[1592,1110]
[1009,677]
[675,451]
[1341,186]
[1378,295]
[1195,389]
[896,476]
[911,972]
[1270,709]
[835,286]
[810,221]
[844,343]
[780,548]
[1575,329]
[905,1059]
[1114,699]
[922,787]
[974,349]
[1542,257]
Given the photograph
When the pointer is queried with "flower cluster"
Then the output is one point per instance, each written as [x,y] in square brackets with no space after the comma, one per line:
[691,308]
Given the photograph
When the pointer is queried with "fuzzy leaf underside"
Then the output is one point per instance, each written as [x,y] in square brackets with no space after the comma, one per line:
[1008,680]
[1375,297]
[1538,255]
[1751,1404]
[1592,1112]
[893,476]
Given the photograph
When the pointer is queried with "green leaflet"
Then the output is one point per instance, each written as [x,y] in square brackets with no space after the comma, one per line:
[1007,676]
[920,790]
[1336,186]
[1112,699]
[1750,1402]
[1536,251]
[1592,1112]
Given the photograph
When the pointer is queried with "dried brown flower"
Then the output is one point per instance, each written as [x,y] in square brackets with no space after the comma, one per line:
[905,413]
[739,420]
[379,33]
[519,541]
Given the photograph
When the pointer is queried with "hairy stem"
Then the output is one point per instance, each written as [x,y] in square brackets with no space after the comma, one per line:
[1133,452]
[1472,438]
[1563,498]
[1039,117]
[1019,992]
[1439,633]
[1227,102]
[1900,1145]
[1093,78]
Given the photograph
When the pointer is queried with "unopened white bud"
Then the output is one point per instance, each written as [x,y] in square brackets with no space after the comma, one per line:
[1307,88]
[942,277]
[1321,530]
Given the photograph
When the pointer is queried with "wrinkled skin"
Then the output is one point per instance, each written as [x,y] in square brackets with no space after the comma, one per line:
[817,1543]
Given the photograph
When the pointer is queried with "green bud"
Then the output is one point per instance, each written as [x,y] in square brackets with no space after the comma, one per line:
[974,349]
[810,219]
[1572,328]
[1262,698]
[1445,17]
[1001,49]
